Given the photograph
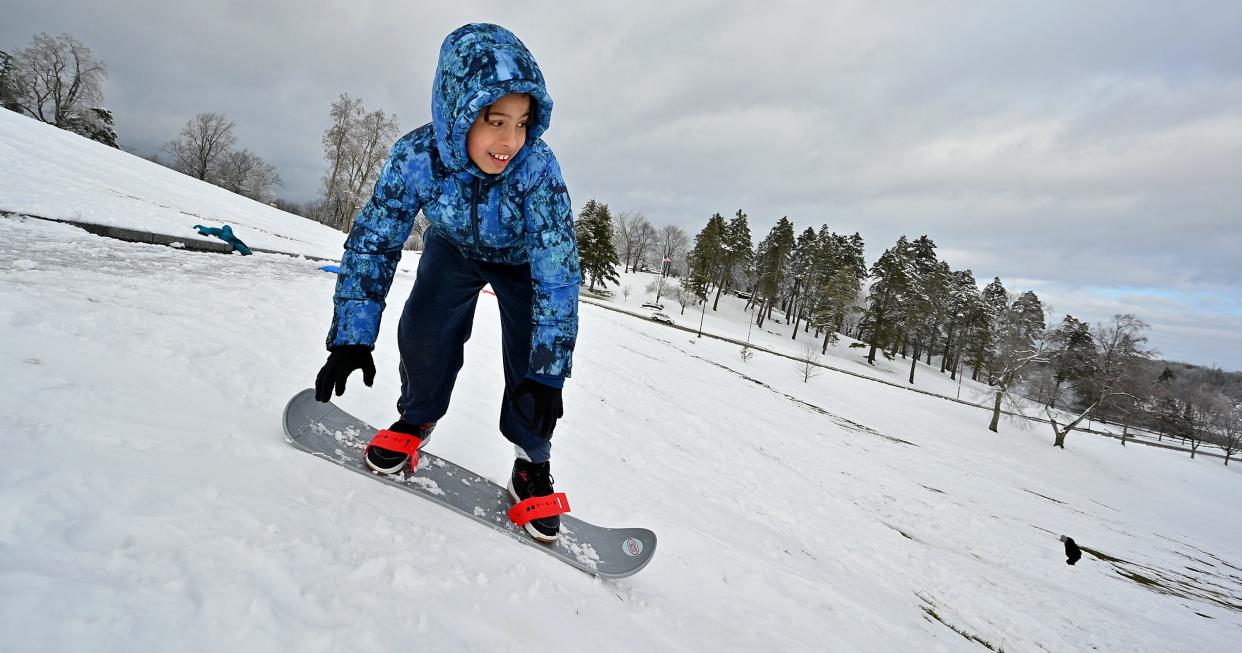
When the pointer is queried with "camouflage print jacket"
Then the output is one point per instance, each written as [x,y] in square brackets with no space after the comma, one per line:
[522,215]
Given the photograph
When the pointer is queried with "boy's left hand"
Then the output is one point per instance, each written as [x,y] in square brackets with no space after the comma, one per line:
[547,402]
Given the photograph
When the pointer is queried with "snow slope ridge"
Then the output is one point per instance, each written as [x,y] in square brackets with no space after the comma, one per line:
[52,173]
[148,493]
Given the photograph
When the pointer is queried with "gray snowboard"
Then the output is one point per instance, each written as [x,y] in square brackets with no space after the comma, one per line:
[328,432]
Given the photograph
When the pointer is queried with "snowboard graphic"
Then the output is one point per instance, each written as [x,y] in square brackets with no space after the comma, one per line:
[328,432]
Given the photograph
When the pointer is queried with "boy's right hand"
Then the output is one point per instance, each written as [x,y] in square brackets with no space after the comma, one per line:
[343,360]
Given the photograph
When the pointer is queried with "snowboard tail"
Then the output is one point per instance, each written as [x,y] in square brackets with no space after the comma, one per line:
[326,431]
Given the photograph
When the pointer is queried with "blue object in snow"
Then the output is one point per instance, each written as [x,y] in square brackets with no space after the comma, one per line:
[331,268]
[224,233]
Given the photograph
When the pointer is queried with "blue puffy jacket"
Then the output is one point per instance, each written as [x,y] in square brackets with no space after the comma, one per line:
[522,215]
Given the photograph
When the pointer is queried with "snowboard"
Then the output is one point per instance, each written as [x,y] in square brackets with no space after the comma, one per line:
[327,432]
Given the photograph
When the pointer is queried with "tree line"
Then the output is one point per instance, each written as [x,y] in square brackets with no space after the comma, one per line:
[911,304]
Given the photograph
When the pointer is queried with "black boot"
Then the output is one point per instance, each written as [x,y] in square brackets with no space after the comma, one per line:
[535,480]
[386,461]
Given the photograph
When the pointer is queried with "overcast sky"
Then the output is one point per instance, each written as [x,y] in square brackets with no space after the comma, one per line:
[1091,152]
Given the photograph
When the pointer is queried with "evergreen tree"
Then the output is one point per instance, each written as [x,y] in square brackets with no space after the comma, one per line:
[801,272]
[963,303]
[771,257]
[707,257]
[734,251]
[1071,352]
[598,256]
[8,82]
[837,294]
[1016,345]
[96,124]
[993,302]
[892,273]
[926,302]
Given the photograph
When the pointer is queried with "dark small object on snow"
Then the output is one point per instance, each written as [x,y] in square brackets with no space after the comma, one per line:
[224,233]
[1072,552]
[334,269]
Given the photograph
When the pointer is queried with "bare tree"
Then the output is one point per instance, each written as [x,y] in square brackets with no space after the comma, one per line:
[1012,363]
[808,362]
[684,296]
[344,114]
[245,173]
[673,244]
[624,235]
[375,133]
[355,146]
[1120,345]
[56,80]
[201,146]
[1204,408]
[626,291]
[1230,423]
[645,237]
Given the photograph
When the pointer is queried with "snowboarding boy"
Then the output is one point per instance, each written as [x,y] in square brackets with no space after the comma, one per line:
[500,215]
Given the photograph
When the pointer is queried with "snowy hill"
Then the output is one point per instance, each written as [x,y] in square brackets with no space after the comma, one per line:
[51,173]
[148,496]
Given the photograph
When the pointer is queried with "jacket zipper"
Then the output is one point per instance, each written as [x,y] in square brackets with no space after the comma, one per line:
[474,214]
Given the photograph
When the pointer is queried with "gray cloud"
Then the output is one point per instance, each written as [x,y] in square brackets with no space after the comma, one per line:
[1088,152]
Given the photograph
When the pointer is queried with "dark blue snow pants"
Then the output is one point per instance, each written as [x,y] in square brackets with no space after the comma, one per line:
[435,326]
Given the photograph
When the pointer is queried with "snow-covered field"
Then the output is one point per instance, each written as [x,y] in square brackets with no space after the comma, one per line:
[148,499]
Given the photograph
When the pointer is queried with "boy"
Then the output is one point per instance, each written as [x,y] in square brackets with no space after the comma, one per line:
[500,215]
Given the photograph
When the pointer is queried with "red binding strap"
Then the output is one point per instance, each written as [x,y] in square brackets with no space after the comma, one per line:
[538,508]
[399,442]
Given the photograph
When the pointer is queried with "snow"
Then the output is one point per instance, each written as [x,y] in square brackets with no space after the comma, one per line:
[148,495]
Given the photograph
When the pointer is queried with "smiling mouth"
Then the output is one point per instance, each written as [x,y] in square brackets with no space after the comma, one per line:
[500,158]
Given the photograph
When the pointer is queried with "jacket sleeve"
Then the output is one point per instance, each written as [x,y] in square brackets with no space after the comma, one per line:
[371,254]
[555,274]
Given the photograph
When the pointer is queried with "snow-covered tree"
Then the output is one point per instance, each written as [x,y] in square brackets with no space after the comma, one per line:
[1120,346]
[962,303]
[893,275]
[1230,424]
[672,242]
[356,147]
[735,252]
[56,79]
[1017,346]
[771,258]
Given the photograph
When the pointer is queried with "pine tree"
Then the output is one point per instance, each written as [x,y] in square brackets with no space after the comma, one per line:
[707,257]
[734,251]
[96,124]
[893,275]
[8,82]
[599,259]
[926,298]
[962,304]
[993,302]
[771,258]
[1071,354]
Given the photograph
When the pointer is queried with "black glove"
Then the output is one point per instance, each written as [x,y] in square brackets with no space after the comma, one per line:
[548,407]
[1072,552]
[343,360]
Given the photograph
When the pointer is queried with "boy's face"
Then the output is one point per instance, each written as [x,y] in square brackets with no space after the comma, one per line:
[498,133]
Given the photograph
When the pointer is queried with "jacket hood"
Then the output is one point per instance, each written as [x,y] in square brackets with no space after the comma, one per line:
[479,64]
